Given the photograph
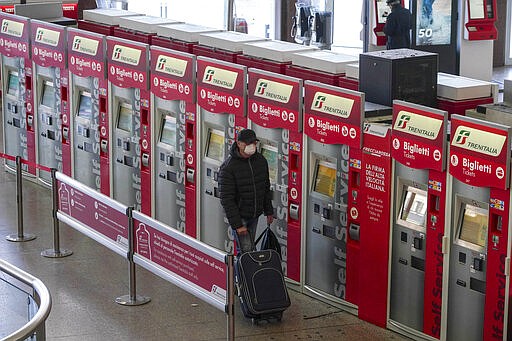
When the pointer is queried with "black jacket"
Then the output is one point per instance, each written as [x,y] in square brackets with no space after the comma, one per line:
[244,187]
[397,28]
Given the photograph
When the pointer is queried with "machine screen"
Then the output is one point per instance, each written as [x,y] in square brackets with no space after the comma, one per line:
[168,133]
[215,145]
[270,153]
[414,206]
[473,227]
[13,83]
[324,181]
[433,22]
[382,11]
[48,98]
[124,121]
[476,9]
[85,105]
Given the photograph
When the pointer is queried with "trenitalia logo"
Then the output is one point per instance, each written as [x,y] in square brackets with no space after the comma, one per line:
[273,90]
[85,45]
[418,125]
[126,55]
[12,28]
[48,37]
[220,77]
[171,66]
[479,141]
[331,104]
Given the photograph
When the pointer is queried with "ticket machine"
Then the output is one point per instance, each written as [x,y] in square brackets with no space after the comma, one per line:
[479,270]
[275,113]
[480,17]
[103,20]
[379,11]
[88,109]
[173,112]
[17,95]
[272,55]
[141,28]
[418,230]
[69,8]
[333,127]
[130,123]
[221,100]
[180,37]
[51,97]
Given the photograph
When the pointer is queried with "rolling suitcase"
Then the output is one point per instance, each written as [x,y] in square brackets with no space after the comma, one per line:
[261,285]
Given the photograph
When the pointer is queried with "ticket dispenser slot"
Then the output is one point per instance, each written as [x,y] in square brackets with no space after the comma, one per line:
[354,231]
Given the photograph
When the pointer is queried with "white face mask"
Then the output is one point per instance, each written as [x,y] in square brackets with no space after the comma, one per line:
[250,149]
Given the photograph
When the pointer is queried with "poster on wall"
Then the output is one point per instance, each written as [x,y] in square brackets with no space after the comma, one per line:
[433,22]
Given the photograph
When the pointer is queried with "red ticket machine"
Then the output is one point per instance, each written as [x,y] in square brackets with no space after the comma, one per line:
[418,219]
[17,92]
[479,277]
[174,132]
[480,17]
[88,82]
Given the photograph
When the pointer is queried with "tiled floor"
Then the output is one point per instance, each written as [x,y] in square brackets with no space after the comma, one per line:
[85,285]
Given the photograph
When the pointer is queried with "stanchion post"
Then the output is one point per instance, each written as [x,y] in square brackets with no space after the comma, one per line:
[56,252]
[231,298]
[20,236]
[132,298]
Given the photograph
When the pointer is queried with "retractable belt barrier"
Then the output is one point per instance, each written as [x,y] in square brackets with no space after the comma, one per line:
[195,267]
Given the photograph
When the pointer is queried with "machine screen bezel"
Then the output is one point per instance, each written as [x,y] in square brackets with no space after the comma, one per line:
[79,108]
[407,188]
[482,209]
[316,181]
[208,146]
[122,111]
[47,85]
[271,154]
[13,90]
[163,141]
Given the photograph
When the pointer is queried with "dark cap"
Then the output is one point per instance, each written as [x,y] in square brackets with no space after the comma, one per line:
[247,136]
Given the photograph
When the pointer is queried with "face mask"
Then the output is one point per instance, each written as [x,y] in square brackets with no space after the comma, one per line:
[250,149]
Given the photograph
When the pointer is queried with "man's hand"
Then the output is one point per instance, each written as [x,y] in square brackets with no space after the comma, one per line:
[241,230]
[270,219]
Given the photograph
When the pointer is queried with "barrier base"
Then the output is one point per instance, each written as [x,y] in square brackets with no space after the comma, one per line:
[23,238]
[52,253]
[128,300]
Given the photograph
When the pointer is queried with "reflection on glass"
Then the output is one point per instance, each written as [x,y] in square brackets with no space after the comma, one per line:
[414,206]
[324,181]
[124,121]
[85,105]
[13,83]
[48,98]
[383,11]
[473,227]
[215,145]
[168,133]
[270,153]
[476,9]
[433,20]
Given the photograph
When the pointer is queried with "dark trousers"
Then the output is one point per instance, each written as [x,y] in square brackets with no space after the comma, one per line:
[245,243]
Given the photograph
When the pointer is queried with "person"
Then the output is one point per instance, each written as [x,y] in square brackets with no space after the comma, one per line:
[244,188]
[398,26]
